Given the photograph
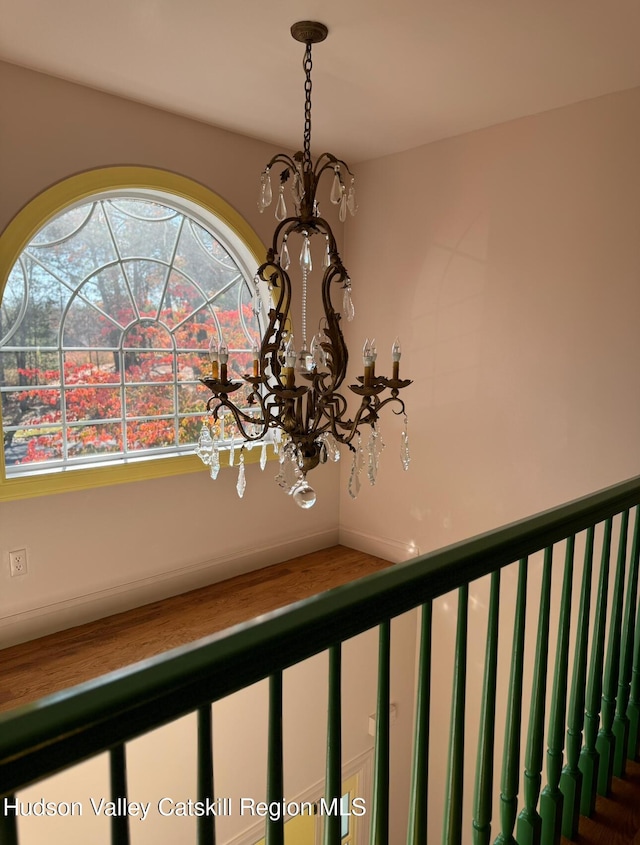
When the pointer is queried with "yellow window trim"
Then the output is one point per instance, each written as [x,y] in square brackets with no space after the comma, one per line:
[15,238]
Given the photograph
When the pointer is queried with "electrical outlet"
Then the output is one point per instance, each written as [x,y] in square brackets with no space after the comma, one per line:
[18,562]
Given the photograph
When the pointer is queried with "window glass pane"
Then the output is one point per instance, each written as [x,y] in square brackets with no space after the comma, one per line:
[126,291]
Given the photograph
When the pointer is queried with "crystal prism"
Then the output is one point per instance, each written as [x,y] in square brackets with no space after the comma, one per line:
[215,461]
[374,449]
[241,485]
[268,193]
[305,255]
[232,451]
[263,456]
[205,445]
[281,206]
[285,260]
[331,444]
[348,311]
[352,204]
[405,457]
[356,468]
[336,187]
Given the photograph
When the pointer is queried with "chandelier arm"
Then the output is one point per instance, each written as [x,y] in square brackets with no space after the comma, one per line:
[329,164]
[241,418]
[281,158]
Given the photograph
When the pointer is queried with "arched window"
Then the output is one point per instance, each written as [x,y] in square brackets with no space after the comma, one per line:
[105,321]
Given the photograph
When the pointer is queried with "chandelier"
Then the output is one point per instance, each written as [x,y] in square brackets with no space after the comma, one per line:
[292,397]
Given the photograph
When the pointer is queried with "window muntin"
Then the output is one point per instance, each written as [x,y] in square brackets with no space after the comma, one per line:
[104,327]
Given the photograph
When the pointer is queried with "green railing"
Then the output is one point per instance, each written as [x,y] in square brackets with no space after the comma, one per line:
[599,728]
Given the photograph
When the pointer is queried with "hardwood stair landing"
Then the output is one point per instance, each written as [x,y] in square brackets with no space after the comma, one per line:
[46,665]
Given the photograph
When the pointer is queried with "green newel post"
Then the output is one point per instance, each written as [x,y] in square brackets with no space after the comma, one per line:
[571,780]
[551,799]
[589,758]
[510,777]
[529,822]
[418,809]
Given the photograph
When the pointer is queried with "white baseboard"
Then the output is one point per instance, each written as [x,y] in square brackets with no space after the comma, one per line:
[78,610]
[383,547]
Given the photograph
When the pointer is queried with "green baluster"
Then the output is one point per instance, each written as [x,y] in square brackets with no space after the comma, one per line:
[621,720]
[529,822]
[380,816]
[418,809]
[551,798]
[333,784]
[571,780]
[633,708]
[589,757]
[606,741]
[275,827]
[509,781]
[452,829]
[8,823]
[482,806]
[206,825]
[118,778]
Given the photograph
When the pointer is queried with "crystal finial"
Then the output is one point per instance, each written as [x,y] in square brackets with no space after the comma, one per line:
[281,207]
[304,495]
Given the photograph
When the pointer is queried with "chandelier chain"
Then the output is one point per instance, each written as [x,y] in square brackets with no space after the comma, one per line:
[307,65]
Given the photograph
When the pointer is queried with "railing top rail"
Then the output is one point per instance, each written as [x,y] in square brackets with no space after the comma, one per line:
[43,737]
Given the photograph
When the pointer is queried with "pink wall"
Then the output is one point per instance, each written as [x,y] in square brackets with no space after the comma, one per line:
[508,261]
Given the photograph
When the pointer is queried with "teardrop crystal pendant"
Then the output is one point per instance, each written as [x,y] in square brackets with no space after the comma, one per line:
[297,188]
[333,450]
[326,258]
[285,259]
[266,194]
[281,206]
[342,213]
[305,255]
[336,187]
[263,456]
[405,457]
[348,311]
[352,204]
[215,461]
[241,485]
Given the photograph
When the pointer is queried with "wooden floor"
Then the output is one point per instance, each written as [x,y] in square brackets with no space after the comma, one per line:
[46,665]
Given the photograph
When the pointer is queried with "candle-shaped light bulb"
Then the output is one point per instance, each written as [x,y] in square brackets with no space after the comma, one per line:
[367,360]
[396,353]
[374,355]
[223,355]
[256,360]
[213,357]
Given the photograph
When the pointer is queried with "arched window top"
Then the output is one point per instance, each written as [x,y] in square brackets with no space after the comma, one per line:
[105,319]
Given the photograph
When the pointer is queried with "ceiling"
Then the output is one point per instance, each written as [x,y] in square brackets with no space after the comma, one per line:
[393,74]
